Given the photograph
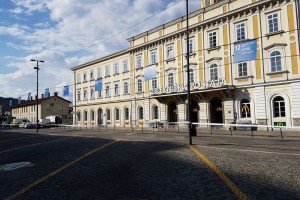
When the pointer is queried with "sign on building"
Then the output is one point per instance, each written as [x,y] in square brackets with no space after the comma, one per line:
[244,51]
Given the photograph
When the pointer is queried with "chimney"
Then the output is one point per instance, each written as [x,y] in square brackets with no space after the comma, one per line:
[42,96]
[55,94]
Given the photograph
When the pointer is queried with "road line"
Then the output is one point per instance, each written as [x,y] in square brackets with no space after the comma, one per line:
[21,138]
[240,195]
[252,151]
[37,182]
[33,145]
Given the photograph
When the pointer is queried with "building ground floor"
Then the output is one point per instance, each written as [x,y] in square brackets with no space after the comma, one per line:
[273,104]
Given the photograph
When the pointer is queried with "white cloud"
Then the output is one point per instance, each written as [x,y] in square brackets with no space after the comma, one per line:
[77,25]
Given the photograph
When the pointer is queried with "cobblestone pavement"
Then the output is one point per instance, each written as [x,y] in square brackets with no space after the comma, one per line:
[147,166]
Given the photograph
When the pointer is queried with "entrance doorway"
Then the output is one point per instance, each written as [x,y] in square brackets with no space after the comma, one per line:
[172,112]
[216,111]
[100,117]
[195,111]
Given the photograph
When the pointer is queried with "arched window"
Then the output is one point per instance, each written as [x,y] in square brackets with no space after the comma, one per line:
[170,79]
[108,114]
[213,72]
[278,107]
[126,88]
[275,61]
[141,112]
[126,113]
[85,115]
[192,76]
[245,108]
[117,114]
[116,90]
[107,93]
[92,115]
[155,111]
[140,85]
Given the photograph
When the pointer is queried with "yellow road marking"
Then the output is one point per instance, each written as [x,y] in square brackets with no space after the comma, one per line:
[30,186]
[222,176]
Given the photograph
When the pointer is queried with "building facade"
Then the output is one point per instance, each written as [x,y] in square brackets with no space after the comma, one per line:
[223,90]
[48,106]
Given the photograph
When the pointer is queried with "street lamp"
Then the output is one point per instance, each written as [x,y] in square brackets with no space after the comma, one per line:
[37,91]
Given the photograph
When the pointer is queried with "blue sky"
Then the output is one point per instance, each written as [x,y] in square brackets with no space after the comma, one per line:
[50,30]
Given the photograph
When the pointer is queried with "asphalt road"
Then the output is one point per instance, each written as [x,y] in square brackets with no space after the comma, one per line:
[73,164]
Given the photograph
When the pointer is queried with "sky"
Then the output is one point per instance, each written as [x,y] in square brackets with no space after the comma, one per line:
[67,33]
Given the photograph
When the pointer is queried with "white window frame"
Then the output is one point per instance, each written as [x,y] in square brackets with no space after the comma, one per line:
[116,68]
[268,22]
[92,93]
[126,87]
[153,57]
[279,102]
[141,112]
[99,72]
[91,74]
[125,113]
[125,65]
[107,70]
[140,85]
[139,61]
[84,77]
[85,94]
[78,78]
[191,47]
[209,37]
[169,51]
[209,71]
[117,89]
[281,60]
[247,69]
[107,91]
[239,29]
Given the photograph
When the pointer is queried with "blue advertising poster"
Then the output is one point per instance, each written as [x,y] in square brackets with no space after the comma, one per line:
[66,90]
[98,84]
[149,72]
[46,93]
[244,51]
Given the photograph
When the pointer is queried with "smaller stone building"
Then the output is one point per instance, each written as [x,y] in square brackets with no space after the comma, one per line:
[48,106]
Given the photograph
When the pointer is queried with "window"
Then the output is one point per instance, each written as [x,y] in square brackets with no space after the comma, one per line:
[192,76]
[155,112]
[275,61]
[107,91]
[141,113]
[191,45]
[84,77]
[116,90]
[273,22]
[92,115]
[99,73]
[170,51]
[279,107]
[117,114]
[107,73]
[240,31]
[126,113]
[154,83]
[78,78]
[78,116]
[99,94]
[170,79]
[138,61]
[212,38]
[126,88]
[140,85]
[92,75]
[78,95]
[84,95]
[153,57]
[116,68]
[242,69]
[85,115]
[245,108]
[213,72]
[92,94]
[108,114]
[125,66]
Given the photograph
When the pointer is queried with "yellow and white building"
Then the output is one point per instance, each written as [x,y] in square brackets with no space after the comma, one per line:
[261,91]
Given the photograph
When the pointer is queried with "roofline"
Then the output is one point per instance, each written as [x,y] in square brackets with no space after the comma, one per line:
[100,59]
[33,102]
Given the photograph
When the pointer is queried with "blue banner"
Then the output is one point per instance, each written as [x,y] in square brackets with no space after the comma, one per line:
[98,84]
[149,72]
[29,96]
[244,51]
[46,93]
[10,103]
[66,90]
[19,100]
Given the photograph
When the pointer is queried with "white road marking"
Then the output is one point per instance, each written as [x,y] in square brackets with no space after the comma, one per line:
[14,166]
[252,151]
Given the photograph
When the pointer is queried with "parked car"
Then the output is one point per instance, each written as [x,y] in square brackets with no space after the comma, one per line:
[32,125]
[156,125]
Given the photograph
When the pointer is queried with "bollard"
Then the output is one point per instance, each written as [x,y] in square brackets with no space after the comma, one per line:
[106,126]
[281,133]
[210,130]
[166,127]
[152,129]
[131,128]
[231,131]
[178,128]
[114,127]
[251,131]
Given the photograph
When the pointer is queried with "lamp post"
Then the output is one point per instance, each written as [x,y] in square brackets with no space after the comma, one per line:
[37,91]
[189,117]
